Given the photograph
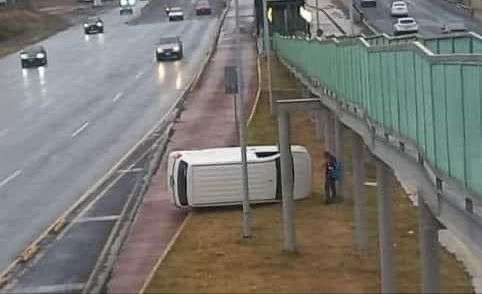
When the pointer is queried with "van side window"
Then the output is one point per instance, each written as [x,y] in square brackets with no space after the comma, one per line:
[182,182]
[266,154]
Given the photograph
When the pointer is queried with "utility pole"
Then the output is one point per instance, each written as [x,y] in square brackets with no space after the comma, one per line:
[317,17]
[242,129]
[267,48]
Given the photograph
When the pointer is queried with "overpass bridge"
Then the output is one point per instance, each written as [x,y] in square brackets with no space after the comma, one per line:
[417,103]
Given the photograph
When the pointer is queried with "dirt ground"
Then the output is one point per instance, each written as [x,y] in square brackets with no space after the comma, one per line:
[211,257]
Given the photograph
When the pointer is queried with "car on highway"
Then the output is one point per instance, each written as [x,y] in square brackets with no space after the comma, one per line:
[453,28]
[175,14]
[203,8]
[126,10]
[169,48]
[93,25]
[368,3]
[399,9]
[33,57]
[405,25]
[212,177]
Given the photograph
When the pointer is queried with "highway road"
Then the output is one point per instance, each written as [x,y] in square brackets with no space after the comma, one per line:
[429,14]
[64,126]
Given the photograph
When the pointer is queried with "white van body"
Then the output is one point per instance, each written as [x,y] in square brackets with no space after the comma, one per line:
[212,177]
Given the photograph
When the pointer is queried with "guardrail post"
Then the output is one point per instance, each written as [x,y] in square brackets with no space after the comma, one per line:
[289,236]
[360,198]
[384,187]
[429,247]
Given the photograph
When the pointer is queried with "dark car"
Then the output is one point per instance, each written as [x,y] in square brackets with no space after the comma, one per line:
[175,13]
[126,10]
[94,25]
[368,3]
[169,48]
[203,8]
[33,57]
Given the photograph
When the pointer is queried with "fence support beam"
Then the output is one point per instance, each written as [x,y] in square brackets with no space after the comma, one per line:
[359,195]
[289,236]
[429,247]
[385,235]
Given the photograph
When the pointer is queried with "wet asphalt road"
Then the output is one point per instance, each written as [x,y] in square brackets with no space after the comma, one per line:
[429,14]
[63,126]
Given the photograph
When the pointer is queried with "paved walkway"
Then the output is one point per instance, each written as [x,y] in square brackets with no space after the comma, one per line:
[208,121]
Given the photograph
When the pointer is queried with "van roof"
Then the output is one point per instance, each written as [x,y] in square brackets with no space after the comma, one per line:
[230,154]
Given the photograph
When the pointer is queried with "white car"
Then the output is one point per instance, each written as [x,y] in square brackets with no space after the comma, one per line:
[212,177]
[399,9]
[405,25]
[175,13]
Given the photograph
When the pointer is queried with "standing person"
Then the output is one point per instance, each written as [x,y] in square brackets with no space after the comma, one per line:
[330,177]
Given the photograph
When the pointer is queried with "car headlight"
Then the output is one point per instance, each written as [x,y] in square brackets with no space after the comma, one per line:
[86,25]
[40,55]
[176,48]
[24,56]
[99,24]
[159,50]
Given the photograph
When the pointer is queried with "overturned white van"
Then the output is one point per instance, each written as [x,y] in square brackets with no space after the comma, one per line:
[212,177]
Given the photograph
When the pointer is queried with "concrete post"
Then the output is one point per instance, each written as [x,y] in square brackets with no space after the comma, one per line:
[339,148]
[360,198]
[285,15]
[429,247]
[329,132]
[289,236]
[384,187]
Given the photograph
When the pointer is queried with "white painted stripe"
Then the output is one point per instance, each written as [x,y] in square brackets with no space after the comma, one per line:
[117,96]
[79,130]
[59,288]
[98,218]
[138,75]
[132,170]
[371,184]
[10,178]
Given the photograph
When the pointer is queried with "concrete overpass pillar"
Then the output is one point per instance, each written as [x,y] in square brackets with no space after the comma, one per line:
[429,247]
[289,235]
[359,195]
[385,235]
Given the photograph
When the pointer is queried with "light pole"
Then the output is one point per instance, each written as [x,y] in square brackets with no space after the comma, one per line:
[242,129]
[267,48]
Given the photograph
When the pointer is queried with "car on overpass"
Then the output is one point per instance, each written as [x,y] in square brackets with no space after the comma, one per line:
[93,25]
[368,3]
[126,10]
[169,48]
[405,25]
[203,8]
[399,9]
[453,28]
[33,57]
[175,14]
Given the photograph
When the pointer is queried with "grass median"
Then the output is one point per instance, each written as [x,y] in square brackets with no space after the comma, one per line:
[211,257]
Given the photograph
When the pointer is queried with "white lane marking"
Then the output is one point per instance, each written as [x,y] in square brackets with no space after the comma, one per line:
[98,218]
[3,133]
[60,288]
[139,75]
[10,178]
[117,96]
[79,130]
[132,170]
[371,184]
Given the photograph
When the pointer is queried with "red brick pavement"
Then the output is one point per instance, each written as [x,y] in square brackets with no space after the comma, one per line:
[207,121]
